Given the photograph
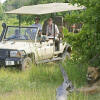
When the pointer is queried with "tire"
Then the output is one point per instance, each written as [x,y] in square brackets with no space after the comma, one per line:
[26,64]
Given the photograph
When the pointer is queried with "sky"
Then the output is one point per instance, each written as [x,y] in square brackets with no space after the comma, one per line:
[2,1]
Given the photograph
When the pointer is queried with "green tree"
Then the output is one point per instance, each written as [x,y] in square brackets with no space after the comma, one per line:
[44,1]
[86,44]
[14,4]
[1,12]
[92,12]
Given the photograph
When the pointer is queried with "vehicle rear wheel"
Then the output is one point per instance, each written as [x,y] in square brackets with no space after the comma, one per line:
[26,64]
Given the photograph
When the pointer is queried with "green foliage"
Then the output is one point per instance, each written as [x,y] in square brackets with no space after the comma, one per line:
[1,12]
[86,44]
[11,21]
[13,4]
[74,17]
[44,1]
[92,12]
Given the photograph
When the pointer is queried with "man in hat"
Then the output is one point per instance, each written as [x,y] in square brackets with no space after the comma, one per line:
[52,30]
[34,30]
[37,24]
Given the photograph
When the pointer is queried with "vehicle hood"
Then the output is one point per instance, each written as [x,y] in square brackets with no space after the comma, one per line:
[16,45]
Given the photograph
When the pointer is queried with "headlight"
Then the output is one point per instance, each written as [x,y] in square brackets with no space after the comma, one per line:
[17,53]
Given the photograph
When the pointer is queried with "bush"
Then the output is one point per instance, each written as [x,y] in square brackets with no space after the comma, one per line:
[86,45]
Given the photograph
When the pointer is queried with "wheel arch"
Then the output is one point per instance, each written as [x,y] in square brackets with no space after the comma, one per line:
[32,56]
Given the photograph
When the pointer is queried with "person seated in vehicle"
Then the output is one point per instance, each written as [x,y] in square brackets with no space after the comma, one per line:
[40,37]
[37,24]
[16,35]
[32,33]
[51,28]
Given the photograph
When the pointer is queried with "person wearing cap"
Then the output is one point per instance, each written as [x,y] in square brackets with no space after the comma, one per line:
[34,30]
[16,35]
[51,28]
[37,24]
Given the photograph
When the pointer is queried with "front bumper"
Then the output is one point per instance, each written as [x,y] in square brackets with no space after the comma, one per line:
[10,61]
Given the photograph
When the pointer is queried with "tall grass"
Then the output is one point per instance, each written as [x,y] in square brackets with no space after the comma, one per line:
[40,82]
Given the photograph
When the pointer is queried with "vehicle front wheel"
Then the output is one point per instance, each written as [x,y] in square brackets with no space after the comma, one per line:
[26,64]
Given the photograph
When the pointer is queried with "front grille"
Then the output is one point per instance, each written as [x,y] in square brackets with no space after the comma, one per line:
[4,53]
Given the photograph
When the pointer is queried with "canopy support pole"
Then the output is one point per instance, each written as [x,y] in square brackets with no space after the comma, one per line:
[19,16]
[53,16]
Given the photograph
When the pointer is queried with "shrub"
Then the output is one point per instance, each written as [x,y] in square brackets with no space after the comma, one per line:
[86,45]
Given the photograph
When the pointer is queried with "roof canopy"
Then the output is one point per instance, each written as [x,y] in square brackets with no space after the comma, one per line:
[45,8]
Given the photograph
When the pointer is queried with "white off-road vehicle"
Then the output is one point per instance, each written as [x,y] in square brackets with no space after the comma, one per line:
[20,45]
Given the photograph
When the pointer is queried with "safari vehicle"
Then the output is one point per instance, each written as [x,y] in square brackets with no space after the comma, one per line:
[19,46]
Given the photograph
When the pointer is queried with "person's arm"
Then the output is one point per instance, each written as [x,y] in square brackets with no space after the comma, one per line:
[56,30]
[40,27]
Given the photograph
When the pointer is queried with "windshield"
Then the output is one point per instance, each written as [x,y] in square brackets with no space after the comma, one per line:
[21,33]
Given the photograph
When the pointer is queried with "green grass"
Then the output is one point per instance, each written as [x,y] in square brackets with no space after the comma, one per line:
[40,82]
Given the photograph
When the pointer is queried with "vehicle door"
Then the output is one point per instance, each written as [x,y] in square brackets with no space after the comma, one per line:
[40,48]
[49,48]
[40,51]
[45,49]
